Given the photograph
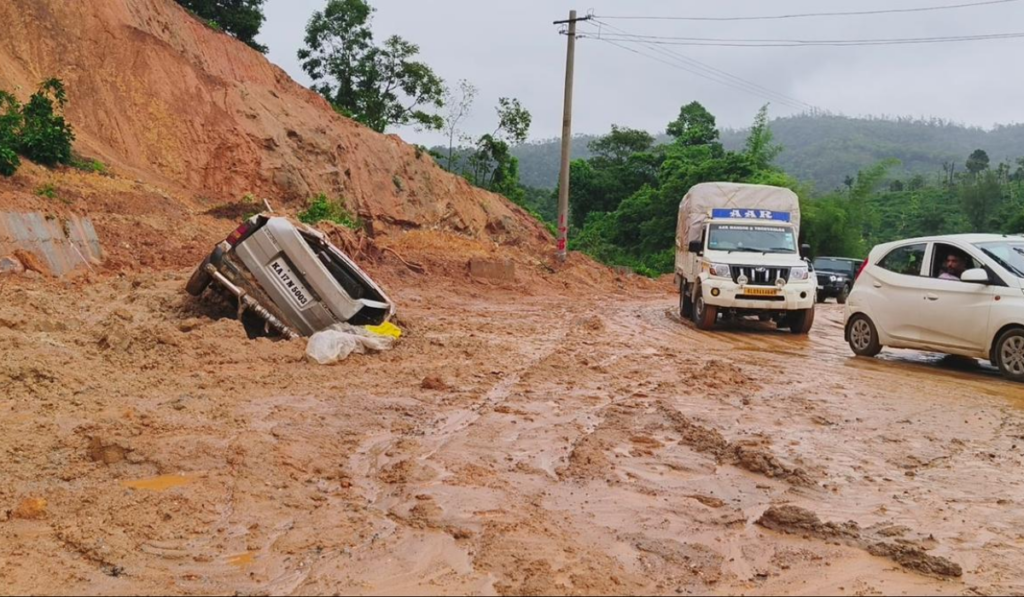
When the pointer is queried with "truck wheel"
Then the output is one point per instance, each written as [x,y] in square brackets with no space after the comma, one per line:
[800,322]
[685,303]
[704,315]
[843,295]
[200,279]
[863,336]
[1009,354]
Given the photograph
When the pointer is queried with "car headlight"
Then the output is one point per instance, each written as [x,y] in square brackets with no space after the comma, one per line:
[832,278]
[721,270]
[798,273]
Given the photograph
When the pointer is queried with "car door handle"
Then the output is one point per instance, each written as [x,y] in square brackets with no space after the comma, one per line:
[877,284]
[931,297]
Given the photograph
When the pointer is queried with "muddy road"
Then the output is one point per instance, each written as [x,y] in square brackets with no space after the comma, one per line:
[508,444]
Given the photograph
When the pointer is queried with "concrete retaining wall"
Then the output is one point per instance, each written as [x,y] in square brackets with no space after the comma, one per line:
[63,244]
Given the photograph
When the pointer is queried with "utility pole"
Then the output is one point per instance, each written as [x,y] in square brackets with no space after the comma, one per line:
[563,176]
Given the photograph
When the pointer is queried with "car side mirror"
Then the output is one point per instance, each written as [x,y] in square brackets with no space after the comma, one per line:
[805,251]
[696,246]
[975,276]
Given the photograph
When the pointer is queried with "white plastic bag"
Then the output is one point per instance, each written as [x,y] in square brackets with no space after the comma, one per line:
[340,340]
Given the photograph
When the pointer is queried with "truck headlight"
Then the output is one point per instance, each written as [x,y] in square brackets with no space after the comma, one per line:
[832,278]
[721,270]
[798,273]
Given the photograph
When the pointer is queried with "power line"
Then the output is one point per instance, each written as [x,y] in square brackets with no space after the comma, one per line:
[814,14]
[799,106]
[685,63]
[791,43]
[711,73]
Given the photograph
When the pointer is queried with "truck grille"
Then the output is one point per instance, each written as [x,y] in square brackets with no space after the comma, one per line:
[759,275]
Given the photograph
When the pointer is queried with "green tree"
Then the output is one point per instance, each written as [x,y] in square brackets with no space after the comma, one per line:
[623,162]
[617,146]
[45,137]
[492,165]
[241,18]
[760,142]
[10,128]
[695,126]
[513,120]
[977,162]
[981,200]
[378,86]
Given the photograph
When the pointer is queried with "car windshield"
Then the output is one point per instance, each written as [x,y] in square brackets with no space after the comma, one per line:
[1007,253]
[841,266]
[749,238]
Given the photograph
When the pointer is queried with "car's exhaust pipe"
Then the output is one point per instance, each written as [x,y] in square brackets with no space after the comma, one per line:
[247,302]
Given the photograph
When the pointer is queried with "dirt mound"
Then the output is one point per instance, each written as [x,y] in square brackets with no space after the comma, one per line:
[796,520]
[754,455]
[793,519]
[915,558]
[161,98]
[31,263]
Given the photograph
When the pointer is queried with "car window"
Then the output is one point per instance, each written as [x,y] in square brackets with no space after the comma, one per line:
[941,253]
[904,260]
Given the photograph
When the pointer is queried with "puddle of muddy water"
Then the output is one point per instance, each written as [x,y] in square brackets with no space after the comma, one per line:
[243,559]
[161,483]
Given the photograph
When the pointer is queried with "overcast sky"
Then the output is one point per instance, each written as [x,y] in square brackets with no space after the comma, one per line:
[513,49]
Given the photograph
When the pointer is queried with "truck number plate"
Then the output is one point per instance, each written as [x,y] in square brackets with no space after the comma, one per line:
[297,293]
[761,291]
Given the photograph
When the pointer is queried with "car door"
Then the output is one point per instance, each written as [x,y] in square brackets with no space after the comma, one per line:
[952,314]
[894,291]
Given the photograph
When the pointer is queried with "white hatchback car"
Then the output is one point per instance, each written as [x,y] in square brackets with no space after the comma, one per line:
[899,299]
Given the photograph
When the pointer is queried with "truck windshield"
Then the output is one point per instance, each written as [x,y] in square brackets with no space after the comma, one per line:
[1009,254]
[745,237]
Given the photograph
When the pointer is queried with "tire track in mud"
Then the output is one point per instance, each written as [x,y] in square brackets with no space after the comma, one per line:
[901,383]
[391,469]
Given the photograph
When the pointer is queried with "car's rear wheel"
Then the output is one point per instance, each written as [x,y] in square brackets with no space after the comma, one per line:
[704,315]
[800,322]
[200,279]
[863,337]
[843,295]
[1009,354]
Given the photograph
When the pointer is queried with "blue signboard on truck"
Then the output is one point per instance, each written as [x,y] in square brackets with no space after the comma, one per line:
[750,214]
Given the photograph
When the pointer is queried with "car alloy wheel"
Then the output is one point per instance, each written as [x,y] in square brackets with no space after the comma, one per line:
[1011,355]
[860,334]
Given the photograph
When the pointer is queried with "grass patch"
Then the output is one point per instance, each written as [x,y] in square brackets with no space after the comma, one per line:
[47,190]
[322,209]
[88,165]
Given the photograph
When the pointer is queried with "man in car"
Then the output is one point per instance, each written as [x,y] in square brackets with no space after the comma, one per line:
[956,264]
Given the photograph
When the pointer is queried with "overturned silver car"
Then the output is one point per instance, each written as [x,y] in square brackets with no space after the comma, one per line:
[288,277]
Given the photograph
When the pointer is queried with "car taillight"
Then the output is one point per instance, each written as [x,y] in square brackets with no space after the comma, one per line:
[238,234]
[862,266]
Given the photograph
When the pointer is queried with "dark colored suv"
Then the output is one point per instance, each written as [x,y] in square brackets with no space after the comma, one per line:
[835,277]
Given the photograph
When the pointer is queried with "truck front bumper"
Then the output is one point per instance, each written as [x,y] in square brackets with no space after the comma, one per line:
[726,294]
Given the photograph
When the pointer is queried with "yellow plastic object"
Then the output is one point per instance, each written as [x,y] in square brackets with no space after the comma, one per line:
[385,329]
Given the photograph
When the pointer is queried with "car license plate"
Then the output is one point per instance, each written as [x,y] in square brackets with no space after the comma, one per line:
[297,293]
[760,291]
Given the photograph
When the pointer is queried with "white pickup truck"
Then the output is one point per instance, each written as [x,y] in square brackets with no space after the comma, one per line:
[737,255]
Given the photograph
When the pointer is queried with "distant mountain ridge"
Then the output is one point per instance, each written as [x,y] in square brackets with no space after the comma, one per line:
[824,150]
